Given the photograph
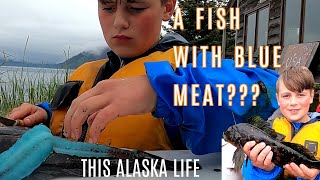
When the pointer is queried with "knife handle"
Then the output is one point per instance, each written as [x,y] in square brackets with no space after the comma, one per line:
[19,123]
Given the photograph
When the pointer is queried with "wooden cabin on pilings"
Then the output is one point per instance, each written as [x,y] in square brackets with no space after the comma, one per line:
[292,24]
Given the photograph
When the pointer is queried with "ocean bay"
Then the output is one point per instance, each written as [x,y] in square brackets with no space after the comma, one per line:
[28,84]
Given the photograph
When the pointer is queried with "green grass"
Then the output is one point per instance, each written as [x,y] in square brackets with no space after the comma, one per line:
[21,88]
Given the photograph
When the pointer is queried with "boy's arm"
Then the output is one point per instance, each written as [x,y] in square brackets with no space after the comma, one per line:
[251,172]
[202,126]
[46,107]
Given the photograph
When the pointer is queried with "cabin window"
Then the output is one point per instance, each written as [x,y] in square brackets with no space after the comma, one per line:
[311,30]
[292,22]
[257,28]
[262,36]
[251,33]
[301,19]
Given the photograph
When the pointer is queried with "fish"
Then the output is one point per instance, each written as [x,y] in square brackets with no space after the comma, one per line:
[37,150]
[258,130]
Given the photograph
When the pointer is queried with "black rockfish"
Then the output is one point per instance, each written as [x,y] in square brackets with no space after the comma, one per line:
[258,130]
[34,153]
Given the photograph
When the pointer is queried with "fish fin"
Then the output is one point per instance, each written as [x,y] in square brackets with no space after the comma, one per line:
[258,122]
[238,158]
[301,149]
[264,126]
[280,137]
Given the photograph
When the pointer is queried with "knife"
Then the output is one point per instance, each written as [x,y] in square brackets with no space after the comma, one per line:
[10,122]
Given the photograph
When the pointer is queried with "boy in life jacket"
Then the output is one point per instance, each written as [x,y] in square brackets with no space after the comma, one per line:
[295,91]
[110,101]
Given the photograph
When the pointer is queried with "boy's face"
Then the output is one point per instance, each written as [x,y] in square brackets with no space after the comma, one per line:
[131,27]
[294,105]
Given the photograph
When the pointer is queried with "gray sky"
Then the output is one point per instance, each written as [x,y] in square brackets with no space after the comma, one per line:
[52,26]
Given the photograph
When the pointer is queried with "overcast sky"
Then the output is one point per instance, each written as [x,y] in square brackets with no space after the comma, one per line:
[52,26]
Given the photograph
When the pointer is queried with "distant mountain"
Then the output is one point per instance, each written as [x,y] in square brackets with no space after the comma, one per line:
[25,64]
[72,63]
[83,57]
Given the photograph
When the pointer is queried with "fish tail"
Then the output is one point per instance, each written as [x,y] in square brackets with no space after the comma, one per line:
[238,159]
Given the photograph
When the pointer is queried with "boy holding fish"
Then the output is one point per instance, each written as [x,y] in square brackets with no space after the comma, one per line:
[294,95]
[110,101]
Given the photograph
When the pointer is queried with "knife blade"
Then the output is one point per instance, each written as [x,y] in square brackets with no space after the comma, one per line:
[9,122]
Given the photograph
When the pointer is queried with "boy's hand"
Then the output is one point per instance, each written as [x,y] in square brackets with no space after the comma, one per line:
[29,114]
[105,102]
[260,155]
[301,171]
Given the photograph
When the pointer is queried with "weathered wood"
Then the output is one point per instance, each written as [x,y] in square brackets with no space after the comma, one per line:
[274,33]
[240,41]
[274,23]
[274,26]
[298,55]
[274,29]
[273,40]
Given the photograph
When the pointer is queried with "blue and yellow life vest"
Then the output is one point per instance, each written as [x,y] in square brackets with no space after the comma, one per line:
[308,136]
[142,132]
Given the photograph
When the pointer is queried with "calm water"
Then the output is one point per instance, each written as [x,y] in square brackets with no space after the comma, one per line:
[29,82]
[31,74]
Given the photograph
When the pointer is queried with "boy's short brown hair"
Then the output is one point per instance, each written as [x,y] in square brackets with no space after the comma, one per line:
[297,79]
